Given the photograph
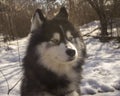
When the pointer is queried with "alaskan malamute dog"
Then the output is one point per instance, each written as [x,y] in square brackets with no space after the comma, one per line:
[55,54]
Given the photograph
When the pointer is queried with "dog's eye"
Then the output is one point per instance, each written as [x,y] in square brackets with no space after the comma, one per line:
[55,41]
[70,38]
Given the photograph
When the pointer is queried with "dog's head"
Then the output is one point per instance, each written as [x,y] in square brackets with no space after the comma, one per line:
[56,40]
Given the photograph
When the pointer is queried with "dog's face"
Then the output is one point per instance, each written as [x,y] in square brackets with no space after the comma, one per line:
[58,49]
[58,42]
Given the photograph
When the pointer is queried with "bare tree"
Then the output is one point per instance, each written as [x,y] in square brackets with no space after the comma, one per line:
[100,7]
[75,9]
[12,15]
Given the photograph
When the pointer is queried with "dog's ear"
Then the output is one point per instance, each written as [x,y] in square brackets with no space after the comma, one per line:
[62,14]
[37,19]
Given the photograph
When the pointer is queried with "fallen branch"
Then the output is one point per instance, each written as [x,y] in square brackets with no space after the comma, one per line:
[5,79]
[14,86]
[88,34]
[10,89]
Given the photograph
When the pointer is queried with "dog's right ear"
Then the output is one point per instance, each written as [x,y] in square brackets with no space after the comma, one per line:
[37,19]
[62,14]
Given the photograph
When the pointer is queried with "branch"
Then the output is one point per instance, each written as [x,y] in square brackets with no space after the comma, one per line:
[5,79]
[14,86]
[91,31]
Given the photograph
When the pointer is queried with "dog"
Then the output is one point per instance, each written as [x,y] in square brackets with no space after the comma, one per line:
[54,57]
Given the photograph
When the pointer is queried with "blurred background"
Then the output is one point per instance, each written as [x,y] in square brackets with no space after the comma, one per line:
[15,15]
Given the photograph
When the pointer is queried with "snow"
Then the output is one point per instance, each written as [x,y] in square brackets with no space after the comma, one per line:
[102,68]
[101,71]
[11,55]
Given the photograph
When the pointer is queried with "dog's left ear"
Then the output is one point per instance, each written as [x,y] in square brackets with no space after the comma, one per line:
[62,14]
[37,20]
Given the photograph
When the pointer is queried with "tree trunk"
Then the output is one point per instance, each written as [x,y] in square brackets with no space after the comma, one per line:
[103,27]
[103,23]
[100,10]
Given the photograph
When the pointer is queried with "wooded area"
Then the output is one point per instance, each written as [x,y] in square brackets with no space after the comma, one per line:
[15,15]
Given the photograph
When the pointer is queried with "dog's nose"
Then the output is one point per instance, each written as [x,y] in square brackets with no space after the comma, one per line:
[70,52]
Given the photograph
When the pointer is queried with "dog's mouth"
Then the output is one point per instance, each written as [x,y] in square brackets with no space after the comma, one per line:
[71,59]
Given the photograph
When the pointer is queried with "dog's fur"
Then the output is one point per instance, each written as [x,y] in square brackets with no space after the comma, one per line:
[55,54]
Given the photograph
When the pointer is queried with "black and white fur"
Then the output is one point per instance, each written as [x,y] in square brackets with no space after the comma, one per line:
[55,54]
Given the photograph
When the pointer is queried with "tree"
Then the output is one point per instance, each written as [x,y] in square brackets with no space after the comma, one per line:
[100,7]
[15,14]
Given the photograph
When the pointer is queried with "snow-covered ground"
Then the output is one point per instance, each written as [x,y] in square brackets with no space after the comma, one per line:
[101,71]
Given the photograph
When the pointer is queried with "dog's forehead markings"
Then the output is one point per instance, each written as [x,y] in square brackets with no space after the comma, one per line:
[68,34]
[56,36]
